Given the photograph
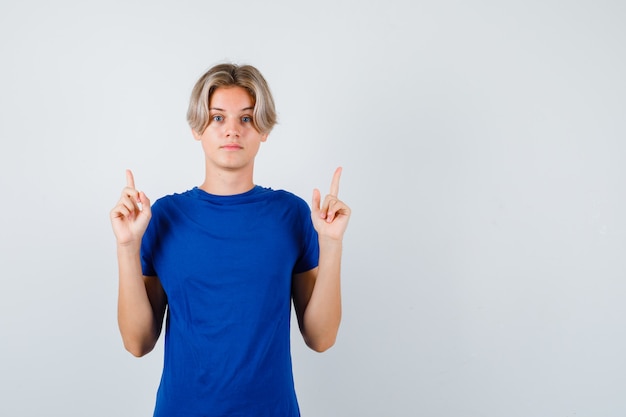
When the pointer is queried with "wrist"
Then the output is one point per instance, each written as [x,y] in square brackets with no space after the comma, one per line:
[128,248]
[330,242]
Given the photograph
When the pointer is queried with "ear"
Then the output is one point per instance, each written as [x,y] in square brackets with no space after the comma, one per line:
[197,136]
[264,136]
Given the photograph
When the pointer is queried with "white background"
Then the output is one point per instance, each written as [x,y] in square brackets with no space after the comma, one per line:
[483,146]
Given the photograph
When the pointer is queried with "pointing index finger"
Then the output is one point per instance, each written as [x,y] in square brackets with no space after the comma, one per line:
[130,180]
[334,185]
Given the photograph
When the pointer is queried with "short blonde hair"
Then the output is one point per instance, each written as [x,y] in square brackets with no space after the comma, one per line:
[229,75]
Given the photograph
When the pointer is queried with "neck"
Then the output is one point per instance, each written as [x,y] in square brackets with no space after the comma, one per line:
[226,182]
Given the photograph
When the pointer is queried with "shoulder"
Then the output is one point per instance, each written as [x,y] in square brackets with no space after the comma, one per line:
[288,198]
[169,203]
[283,195]
[174,198]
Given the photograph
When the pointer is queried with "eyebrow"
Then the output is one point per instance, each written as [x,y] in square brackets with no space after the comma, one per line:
[218,109]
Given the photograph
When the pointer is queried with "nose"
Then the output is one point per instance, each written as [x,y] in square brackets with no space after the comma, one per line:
[232,128]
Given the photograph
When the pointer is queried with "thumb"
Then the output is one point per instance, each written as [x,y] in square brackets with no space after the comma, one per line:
[145,203]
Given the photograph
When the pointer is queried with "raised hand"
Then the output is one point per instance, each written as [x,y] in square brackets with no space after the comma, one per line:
[131,215]
[330,219]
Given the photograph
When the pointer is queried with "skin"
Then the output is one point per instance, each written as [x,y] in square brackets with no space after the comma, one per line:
[230,144]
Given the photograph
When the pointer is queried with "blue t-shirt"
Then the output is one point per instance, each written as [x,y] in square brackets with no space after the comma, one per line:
[226,264]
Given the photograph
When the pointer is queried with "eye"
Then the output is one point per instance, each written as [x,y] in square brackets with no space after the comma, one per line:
[246,119]
[217,118]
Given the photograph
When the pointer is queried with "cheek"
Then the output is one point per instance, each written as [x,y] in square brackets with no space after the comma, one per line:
[206,145]
[254,134]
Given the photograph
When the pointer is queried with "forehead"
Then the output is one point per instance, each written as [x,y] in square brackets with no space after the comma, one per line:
[231,97]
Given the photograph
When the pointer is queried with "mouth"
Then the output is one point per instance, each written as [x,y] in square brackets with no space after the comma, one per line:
[232,147]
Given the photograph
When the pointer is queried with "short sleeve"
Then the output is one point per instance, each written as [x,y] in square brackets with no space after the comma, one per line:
[148,243]
[310,252]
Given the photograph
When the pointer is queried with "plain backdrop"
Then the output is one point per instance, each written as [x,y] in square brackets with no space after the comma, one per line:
[483,146]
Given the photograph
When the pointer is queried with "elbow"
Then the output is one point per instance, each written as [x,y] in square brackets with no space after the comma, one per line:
[322,344]
[321,338]
[321,348]
[138,343]
[138,350]
[138,353]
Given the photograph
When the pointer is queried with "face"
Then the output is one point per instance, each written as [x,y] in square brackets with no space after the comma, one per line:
[230,141]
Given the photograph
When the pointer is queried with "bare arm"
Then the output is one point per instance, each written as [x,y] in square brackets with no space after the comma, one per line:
[141,300]
[140,307]
[317,293]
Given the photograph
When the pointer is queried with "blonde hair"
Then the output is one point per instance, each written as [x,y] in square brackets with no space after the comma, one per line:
[229,75]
